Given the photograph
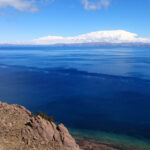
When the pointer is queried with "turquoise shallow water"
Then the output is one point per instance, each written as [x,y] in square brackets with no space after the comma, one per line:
[100,93]
[119,141]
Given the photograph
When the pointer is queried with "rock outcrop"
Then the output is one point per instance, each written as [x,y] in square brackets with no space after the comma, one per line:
[19,130]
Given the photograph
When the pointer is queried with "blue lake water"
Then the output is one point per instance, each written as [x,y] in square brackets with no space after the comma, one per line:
[98,92]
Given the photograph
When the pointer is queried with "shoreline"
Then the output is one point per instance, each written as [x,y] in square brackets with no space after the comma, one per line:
[108,141]
[86,141]
[89,144]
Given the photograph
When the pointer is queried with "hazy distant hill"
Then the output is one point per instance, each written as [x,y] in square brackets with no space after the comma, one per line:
[97,44]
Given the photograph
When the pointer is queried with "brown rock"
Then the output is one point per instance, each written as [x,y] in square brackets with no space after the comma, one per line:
[20,131]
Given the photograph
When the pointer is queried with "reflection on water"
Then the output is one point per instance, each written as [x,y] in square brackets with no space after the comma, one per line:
[113,61]
[97,89]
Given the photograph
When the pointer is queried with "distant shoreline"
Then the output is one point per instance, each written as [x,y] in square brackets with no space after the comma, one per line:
[90,44]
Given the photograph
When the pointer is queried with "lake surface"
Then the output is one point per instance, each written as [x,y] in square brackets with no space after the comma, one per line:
[98,92]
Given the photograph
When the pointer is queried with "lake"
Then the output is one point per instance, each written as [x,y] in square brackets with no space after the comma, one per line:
[101,93]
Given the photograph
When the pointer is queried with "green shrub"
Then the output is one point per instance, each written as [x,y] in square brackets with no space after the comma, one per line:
[51,119]
[45,116]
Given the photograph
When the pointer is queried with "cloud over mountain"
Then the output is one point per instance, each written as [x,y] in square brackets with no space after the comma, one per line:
[114,36]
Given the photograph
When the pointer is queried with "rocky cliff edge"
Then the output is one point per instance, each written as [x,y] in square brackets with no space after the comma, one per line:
[20,130]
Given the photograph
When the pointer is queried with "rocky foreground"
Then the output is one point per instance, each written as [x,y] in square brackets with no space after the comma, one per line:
[20,130]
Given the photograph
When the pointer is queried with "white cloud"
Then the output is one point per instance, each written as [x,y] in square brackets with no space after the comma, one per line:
[32,5]
[115,36]
[95,4]
[23,5]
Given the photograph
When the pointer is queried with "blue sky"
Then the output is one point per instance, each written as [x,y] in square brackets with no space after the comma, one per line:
[25,20]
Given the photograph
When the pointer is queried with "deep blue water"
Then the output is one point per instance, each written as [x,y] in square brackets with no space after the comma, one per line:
[95,89]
